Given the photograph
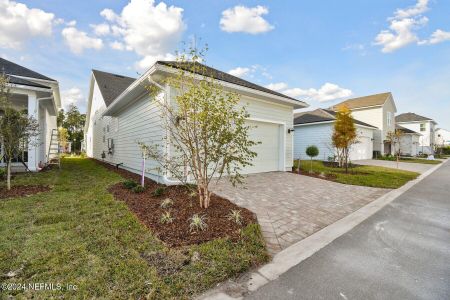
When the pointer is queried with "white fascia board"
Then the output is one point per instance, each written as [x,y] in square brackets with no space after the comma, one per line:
[52,83]
[297,104]
[30,88]
[157,67]
[329,122]
[111,108]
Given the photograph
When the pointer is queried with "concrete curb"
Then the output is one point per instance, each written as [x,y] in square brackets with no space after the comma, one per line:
[305,248]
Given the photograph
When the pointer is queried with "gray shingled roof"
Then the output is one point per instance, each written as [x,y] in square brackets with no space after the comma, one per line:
[371,100]
[10,68]
[405,130]
[321,115]
[217,74]
[411,117]
[21,81]
[111,85]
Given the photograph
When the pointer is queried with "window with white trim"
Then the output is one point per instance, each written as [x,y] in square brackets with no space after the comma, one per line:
[389,118]
[422,126]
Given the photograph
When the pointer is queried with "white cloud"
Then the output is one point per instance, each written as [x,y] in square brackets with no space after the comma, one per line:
[403,27]
[420,7]
[149,60]
[116,45]
[78,40]
[71,23]
[245,19]
[277,86]
[151,30]
[401,34]
[327,92]
[18,23]
[101,29]
[437,37]
[72,96]
[239,71]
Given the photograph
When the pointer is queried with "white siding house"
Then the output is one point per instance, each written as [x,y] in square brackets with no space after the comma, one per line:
[133,116]
[423,125]
[39,96]
[377,110]
[442,136]
[409,142]
[316,128]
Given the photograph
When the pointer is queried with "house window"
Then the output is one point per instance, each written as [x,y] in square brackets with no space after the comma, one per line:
[103,139]
[107,128]
[389,119]
[422,126]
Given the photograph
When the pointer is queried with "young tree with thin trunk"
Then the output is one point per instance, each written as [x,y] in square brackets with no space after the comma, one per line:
[395,137]
[17,130]
[205,126]
[344,135]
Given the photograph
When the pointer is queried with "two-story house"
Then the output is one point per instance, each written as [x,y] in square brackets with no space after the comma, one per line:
[423,125]
[38,96]
[377,110]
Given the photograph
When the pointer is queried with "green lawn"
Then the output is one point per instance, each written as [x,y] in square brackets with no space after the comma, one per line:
[362,175]
[417,160]
[78,234]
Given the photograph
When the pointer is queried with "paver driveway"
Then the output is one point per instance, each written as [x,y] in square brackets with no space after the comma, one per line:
[291,207]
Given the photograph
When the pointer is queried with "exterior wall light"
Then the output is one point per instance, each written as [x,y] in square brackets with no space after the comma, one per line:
[291,130]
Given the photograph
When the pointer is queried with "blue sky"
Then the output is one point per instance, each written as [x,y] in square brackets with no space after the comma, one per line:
[321,51]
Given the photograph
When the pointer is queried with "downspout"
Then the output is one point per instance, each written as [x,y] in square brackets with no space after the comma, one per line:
[165,178]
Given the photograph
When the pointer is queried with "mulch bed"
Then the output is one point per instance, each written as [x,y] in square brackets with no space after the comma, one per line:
[147,208]
[22,190]
[326,176]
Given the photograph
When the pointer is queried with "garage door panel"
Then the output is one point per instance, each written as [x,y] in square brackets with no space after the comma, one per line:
[268,151]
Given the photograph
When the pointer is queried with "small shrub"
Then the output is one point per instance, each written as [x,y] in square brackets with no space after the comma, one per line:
[166,218]
[166,203]
[159,191]
[138,189]
[235,216]
[2,173]
[312,151]
[129,184]
[197,223]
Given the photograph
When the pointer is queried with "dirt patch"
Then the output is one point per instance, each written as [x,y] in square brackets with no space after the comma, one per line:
[22,190]
[147,207]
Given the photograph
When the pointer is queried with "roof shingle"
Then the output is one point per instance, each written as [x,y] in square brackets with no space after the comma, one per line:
[321,115]
[111,85]
[10,68]
[366,101]
[219,75]
[411,117]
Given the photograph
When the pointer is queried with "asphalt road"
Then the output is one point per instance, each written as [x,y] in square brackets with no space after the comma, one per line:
[401,252]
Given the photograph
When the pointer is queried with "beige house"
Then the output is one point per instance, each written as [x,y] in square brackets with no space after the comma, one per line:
[377,110]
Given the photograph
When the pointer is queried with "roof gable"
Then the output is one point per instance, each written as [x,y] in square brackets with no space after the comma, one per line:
[322,115]
[11,68]
[411,117]
[111,85]
[366,101]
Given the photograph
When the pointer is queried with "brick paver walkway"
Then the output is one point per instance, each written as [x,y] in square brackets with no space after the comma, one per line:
[291,207]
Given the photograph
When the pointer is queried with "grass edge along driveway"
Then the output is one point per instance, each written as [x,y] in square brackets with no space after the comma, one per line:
[372,176]
[78,234]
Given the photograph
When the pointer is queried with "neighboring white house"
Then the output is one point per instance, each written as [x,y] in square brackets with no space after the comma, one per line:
[442,136]
[409,142]
[39,96]
[377,110]
[425,126]
[134,116]
[316,128]
[103,89]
